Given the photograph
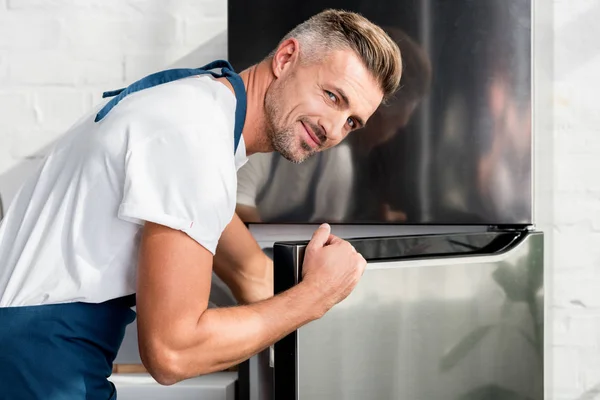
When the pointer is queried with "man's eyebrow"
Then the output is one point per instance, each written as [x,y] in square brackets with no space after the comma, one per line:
[347,102]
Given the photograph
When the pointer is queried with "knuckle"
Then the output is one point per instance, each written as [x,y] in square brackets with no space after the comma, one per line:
[311,250]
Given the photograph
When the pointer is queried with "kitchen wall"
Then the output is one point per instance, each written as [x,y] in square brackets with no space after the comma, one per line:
[57,56]
[575,318]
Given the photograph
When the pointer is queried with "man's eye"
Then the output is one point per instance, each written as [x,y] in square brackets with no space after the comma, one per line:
[332,96]
[352,123]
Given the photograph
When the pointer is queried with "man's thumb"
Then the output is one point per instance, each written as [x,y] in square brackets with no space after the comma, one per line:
[320,236]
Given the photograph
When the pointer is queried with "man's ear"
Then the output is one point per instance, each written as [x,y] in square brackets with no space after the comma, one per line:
[285,57]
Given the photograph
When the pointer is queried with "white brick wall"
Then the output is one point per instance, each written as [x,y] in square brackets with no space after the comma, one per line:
[57,56]
[576,279]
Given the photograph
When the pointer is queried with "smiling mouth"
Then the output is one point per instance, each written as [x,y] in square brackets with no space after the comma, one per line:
[315,142]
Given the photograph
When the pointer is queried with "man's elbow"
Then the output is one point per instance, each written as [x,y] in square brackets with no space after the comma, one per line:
[169,366]
[162,363]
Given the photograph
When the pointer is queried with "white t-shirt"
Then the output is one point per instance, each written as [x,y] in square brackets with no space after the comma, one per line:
[291,184]
[164,154]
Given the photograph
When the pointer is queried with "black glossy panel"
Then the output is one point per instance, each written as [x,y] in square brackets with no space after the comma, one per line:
[391,248]
[462,155]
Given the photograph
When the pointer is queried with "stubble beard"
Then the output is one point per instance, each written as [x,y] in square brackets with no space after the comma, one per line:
[283,139]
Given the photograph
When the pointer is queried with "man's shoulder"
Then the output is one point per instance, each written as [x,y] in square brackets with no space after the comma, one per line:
[196,109]
[186,101]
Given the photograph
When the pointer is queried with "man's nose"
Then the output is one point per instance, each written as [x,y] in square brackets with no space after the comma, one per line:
[337,129]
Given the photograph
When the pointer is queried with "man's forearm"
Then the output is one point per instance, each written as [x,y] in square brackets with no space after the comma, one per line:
[227,336]
[255,286]
[242,265]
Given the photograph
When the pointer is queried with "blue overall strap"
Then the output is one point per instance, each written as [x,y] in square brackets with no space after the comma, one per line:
[159,78]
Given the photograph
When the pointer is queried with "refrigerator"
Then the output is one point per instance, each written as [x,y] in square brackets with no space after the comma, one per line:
[438,198]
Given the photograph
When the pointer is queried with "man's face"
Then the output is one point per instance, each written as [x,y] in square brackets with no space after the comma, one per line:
[310,108]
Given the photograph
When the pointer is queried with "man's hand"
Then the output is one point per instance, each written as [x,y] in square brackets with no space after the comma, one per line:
[332,267]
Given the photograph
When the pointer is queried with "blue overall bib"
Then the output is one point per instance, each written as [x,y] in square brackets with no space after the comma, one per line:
[66,351]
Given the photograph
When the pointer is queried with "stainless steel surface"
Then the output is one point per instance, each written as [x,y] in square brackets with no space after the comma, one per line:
[260,371]
[442,328]
[462,156]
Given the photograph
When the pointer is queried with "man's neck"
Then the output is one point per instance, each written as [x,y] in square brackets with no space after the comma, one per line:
[257,79]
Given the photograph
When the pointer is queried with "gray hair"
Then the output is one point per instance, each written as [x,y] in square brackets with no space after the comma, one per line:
[337,30]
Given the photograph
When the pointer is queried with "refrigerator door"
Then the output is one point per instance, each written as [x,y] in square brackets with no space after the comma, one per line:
[433,317]
[453,145]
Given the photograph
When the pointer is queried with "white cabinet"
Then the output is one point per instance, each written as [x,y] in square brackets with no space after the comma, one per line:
[217,386]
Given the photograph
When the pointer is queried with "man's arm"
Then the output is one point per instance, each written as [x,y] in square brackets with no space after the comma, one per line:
[242,265]
[180,338]
[248,214]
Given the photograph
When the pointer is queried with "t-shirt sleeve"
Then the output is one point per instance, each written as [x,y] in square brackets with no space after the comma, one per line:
[252,178]
[335,185]
[175,180]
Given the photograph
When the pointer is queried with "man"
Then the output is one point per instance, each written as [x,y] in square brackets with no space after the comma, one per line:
[337,185]
[138,199]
